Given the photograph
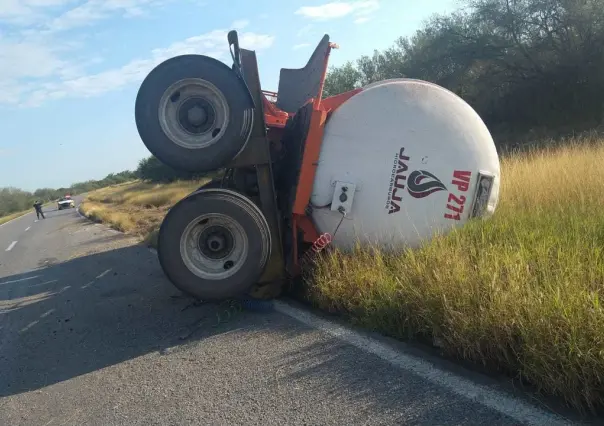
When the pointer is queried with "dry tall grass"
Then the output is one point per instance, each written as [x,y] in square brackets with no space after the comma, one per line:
[521,292]
[136,208]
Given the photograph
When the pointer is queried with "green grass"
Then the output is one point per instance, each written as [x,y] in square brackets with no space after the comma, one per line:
[520,293]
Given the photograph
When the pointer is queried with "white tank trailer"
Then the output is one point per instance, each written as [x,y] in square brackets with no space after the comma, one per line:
[416,159]
[389,164]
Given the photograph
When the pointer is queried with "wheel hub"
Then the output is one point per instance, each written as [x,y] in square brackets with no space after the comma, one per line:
[214,246]
[193,113]
[196,115]
[215,242]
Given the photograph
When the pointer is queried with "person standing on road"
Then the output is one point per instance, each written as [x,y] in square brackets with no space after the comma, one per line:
[38,207]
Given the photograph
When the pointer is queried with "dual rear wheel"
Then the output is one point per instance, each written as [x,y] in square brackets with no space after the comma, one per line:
[214,244]
[195,114]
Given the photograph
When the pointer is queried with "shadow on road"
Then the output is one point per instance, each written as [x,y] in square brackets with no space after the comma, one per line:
[68,319]
[71,318]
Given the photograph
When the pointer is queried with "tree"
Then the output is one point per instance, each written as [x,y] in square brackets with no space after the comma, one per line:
[14,200]
[341,79]
[153,170]
[520,63]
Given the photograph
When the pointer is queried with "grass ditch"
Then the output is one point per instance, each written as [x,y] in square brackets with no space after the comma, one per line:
[521,293]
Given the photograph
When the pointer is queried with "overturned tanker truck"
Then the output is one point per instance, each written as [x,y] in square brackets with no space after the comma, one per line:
[389,164]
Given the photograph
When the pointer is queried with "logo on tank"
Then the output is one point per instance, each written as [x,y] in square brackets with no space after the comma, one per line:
[422,183]
[419,183]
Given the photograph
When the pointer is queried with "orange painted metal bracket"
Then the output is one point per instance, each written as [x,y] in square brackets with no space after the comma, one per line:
[321,108]
[273,116]
[310,161]
[333,102]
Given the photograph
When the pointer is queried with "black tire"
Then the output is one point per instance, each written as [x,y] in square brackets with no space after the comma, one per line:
[191,209]
[225,81]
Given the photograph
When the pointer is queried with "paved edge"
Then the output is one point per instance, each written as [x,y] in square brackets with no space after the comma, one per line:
[484,395]
[108,228]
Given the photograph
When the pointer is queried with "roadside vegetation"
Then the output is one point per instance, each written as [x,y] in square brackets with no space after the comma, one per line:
[520,293]
[137,207]
[15,201]
[530,68]
[10,217]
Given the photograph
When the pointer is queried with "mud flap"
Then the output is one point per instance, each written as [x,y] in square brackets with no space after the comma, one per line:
[297,86]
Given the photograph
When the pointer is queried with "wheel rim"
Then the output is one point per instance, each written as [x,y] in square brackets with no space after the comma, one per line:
[193,113]
[214,246]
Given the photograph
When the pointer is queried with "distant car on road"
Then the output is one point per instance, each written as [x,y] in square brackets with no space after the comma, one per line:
[66,203]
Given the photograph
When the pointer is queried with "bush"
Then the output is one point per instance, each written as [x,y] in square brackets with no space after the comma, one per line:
[14,200]
[152,170]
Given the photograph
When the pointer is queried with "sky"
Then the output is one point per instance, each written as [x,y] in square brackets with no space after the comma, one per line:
[70,69]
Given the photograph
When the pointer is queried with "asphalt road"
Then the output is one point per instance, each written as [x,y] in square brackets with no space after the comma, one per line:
[91,333]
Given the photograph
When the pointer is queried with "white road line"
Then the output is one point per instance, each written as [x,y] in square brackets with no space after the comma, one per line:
[13,244]
[22,279]
[47,313]
[28,228]
[103,274]
[30,325]
[92,282]
[486,396]
[87,285]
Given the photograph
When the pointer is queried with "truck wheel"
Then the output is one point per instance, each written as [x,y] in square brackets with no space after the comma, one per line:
[194,113]
[214,244]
